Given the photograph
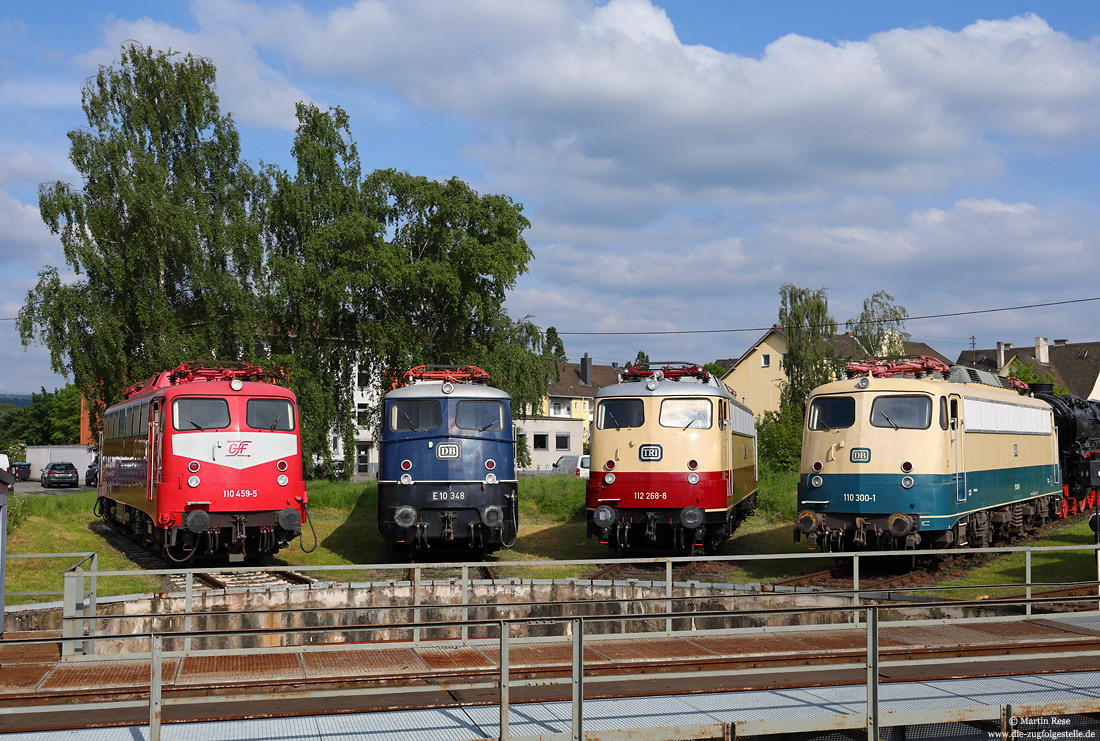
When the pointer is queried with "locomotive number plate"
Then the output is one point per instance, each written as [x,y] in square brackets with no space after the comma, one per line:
[650,452]
[448,496]
[859,497]
[239,493]
[650,495]
[448,451]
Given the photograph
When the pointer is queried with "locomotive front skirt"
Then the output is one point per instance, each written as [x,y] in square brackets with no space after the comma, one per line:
[447,471]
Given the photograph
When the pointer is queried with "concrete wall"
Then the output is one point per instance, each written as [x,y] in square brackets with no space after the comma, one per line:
[40,455]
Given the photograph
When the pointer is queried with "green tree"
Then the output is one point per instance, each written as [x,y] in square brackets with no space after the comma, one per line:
[52,418]
[715,370]
[161,233]
[554,345]
[810,359]
[880,328]
[779,439]
[1026,372]
[440,278]
[640,359]
[321,247]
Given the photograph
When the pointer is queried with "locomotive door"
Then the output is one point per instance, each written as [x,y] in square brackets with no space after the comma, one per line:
[155,439]
[956,461]
[727,446]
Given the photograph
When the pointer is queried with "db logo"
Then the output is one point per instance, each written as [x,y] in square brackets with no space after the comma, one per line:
[650,452]
[861,455]
[447,451]
[239,449]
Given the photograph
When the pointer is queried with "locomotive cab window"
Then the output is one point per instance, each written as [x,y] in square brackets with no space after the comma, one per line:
[832,413]
[480,415]
[270,414]
[619,413]
[415,415]
[685,413]
[200,414]
[909,412]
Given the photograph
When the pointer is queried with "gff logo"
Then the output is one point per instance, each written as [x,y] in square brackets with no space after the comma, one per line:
[239,449]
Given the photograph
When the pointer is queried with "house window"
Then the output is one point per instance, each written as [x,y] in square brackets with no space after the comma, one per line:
[363,379]
[561,441]
[362,416]
[542,441]
[765,361]
[557,408]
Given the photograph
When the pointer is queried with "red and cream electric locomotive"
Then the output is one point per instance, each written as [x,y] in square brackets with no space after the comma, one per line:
[204,459]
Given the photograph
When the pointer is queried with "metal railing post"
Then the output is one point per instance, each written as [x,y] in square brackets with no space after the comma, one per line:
[89,646]
[416,603]
[872,674]
[668,596]
[156,646]
[188,601]
[465,603]
[1027,581]
[504,630]
[855,587]
[578,679]
[72,625]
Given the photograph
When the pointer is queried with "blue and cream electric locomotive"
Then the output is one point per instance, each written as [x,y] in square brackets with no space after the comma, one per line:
[447,474]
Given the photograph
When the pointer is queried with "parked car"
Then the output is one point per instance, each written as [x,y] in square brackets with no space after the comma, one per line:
[572,465]
[60,474]
[91,476]
[21,469]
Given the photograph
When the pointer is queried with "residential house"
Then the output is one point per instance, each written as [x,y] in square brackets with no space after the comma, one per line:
[561,423]
[1074,366]
[757,376]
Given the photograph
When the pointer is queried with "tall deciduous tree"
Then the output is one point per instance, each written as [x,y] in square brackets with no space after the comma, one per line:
[809,331]
[439,282]
[880,328]
[322,249]
[161,233]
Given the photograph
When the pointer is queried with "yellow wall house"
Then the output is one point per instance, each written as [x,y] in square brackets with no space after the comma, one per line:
[756,376]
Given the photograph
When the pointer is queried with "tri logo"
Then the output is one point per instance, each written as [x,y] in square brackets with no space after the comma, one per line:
[650,453]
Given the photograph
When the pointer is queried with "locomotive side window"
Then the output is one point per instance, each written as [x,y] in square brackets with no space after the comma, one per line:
[480,415]
[270,414]
[832,413]
[200,414]
[909,412]
[620,413]
[685,413]
[419,415]
[943,412]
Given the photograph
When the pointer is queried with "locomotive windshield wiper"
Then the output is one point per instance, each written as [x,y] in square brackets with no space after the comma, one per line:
[411,423]
[884,414]
[613,420]
[277,418]
[488,426]
[197,425]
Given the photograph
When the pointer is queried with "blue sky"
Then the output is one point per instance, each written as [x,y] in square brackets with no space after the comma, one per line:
[679,161]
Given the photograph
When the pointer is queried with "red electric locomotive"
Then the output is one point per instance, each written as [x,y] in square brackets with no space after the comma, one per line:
[204,459]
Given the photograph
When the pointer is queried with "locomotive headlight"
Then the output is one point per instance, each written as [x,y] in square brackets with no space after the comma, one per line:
[609,478]
[281,465]
[900,524]
[490,464]
[193,481]
[289,518]
[603,516]
[405,516]
[283,479]
[691,517]
[816,481]
[492,516]
[406,465]
[864,382]
[193,466]
[197,521]
[652,384]
[693,478]
[236,384]
[490,478]
[907,467]
[807,521]
[818,465]
[693,464]
[907,482]
[406,479]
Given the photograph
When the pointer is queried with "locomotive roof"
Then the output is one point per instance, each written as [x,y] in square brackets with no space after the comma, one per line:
[434,390]
[209,388]
[934,386]
[682,387]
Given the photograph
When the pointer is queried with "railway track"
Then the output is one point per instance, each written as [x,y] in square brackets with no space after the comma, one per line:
[148,560]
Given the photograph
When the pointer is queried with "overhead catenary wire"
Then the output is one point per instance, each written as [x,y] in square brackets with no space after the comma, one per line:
[764,329]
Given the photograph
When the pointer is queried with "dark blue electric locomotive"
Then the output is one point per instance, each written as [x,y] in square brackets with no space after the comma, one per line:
[447,471]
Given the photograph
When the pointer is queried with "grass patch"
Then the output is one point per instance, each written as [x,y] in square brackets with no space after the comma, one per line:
[778,493]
